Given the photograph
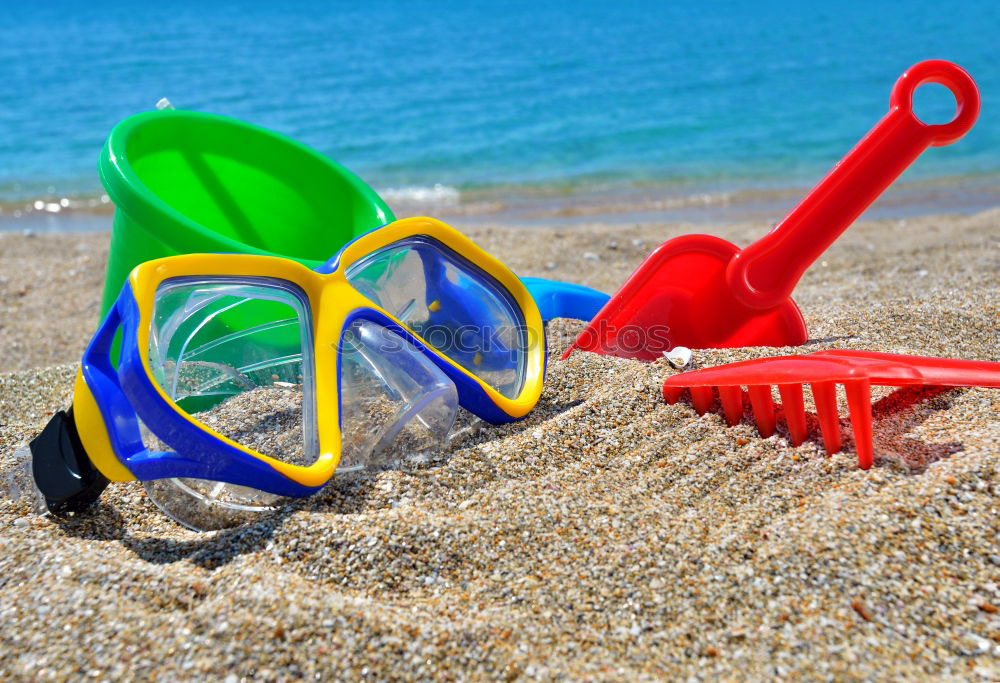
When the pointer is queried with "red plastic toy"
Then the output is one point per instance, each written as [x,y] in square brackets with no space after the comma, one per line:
[703,292]
[856,370]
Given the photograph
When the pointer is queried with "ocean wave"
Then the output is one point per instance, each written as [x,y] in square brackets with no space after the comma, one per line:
[437,194]
[94,204]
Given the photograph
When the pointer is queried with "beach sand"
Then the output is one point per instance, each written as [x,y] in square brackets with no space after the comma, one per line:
[607,536]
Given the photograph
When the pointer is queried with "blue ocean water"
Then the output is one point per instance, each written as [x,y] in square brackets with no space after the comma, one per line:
[511,95]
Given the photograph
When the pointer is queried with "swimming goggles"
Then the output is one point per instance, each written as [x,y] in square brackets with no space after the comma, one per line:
[257,377]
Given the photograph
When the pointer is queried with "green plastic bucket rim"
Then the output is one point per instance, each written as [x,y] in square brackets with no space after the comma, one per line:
[130,193]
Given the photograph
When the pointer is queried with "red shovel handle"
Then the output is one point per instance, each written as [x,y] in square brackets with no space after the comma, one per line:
[764,274]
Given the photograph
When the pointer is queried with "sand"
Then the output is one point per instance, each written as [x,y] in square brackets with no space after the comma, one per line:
[607,536]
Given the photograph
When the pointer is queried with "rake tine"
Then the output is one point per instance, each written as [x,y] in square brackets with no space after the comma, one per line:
[701,398]
[763,408]
[732,403]
[672,394]
[825,397]
[859,400]
[795,411]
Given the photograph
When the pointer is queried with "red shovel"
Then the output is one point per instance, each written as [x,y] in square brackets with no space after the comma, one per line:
[703,292]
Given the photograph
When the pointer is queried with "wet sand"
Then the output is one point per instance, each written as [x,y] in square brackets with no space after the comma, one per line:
[607,536]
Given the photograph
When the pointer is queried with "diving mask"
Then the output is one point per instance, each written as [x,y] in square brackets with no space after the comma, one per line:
[245,378]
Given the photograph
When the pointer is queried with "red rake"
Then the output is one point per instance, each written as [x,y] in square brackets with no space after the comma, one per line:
[823,370]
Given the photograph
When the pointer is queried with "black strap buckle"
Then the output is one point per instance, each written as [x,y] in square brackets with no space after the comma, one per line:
[63,472]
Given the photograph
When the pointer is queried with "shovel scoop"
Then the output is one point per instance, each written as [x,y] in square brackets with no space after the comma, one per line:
[704,292]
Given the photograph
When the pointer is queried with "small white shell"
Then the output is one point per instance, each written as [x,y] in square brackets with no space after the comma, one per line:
[678,357]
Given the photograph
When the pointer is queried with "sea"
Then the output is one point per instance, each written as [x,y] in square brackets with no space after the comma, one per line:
[554,111]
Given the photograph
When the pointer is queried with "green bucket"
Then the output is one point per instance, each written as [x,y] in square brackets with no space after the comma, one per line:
[189,182]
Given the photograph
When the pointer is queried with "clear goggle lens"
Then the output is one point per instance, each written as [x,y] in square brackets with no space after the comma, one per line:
[394,402]
[452,305]
[236,355]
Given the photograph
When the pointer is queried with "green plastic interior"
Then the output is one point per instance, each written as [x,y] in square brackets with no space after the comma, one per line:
[243,183]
